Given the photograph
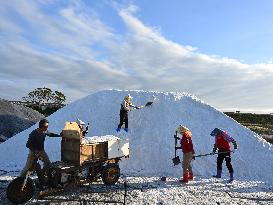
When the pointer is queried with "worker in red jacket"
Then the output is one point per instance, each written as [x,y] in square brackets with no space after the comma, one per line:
[188,152]
[222,140]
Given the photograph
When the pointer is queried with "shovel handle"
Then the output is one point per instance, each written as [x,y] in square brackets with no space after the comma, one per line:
[213,153]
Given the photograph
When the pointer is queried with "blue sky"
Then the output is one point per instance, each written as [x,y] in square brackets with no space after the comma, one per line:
[220,51]
[238,29]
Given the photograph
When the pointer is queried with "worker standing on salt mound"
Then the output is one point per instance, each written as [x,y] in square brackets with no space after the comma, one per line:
[222,140]
[188,152]
[125,107]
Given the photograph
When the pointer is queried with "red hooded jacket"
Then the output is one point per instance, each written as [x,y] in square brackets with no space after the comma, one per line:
[222,141]
[186,143]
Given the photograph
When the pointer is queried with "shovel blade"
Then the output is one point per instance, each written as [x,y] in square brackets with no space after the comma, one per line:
[149,103]
[176,160]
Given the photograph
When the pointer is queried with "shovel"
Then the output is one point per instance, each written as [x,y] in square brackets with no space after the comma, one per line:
[142,106]
[176,159]
[148,104]
[213,153]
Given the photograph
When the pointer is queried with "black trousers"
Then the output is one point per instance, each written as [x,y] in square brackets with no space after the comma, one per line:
[123,115]
[224,156]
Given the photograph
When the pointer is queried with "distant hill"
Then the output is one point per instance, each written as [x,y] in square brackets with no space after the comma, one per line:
[259,123]
[15,118]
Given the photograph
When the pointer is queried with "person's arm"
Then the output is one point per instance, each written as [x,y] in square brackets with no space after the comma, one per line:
[193,151]
[214,148]
[134,106]
[129,105]
[30,143]
[235,145]
[227,137]
[125,106]
[180,144]
[183,143]
[230,139]
[85,131]
[50,134]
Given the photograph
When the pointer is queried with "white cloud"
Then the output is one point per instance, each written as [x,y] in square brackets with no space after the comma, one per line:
[66,57]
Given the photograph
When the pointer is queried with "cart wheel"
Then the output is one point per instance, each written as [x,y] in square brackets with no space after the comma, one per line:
[110,174]
[18,195]
[54,178]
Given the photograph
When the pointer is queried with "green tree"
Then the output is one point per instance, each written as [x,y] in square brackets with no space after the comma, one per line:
[58,98]
[40,96]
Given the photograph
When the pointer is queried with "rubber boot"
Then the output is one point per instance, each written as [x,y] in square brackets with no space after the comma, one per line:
[118,129]
[231,177]
[185,178]
[218,175]
[126,129]
[190,176]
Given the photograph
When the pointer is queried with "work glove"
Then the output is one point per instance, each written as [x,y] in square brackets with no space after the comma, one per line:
[193,157]
[214,150]
[236,147]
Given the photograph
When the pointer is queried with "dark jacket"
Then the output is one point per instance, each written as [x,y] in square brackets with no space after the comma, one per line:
[36,140]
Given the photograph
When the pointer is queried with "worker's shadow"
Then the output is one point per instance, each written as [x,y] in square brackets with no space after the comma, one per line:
[235,187]
[154,184]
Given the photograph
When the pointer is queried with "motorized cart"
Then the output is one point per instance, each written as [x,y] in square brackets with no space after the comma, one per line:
[83,160]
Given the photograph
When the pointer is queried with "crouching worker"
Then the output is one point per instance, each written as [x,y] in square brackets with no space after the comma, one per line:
[35,144]
[222,140]
[125,107]
[188,152]
[84,129]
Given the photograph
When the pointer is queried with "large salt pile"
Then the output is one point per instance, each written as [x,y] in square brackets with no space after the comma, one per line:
[151,132]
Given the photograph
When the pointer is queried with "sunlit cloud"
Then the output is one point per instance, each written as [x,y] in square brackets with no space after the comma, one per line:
[74,50]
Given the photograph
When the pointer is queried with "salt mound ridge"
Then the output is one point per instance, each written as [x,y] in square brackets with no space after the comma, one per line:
[151,132]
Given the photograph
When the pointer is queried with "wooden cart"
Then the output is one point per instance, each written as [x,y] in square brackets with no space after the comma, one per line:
[102,157]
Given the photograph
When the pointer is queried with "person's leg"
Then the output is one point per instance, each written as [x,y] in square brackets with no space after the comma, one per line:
[228,163]
[186,165]
[229,166]
[121,119]
[126,120]
[44,157]
[29,164]
[184,170]
[220,159]
[42,173]
[190,176]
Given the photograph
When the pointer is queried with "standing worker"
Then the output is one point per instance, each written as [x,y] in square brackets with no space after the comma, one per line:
[125,107]
[222,140]
[188,152]
[35,144]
